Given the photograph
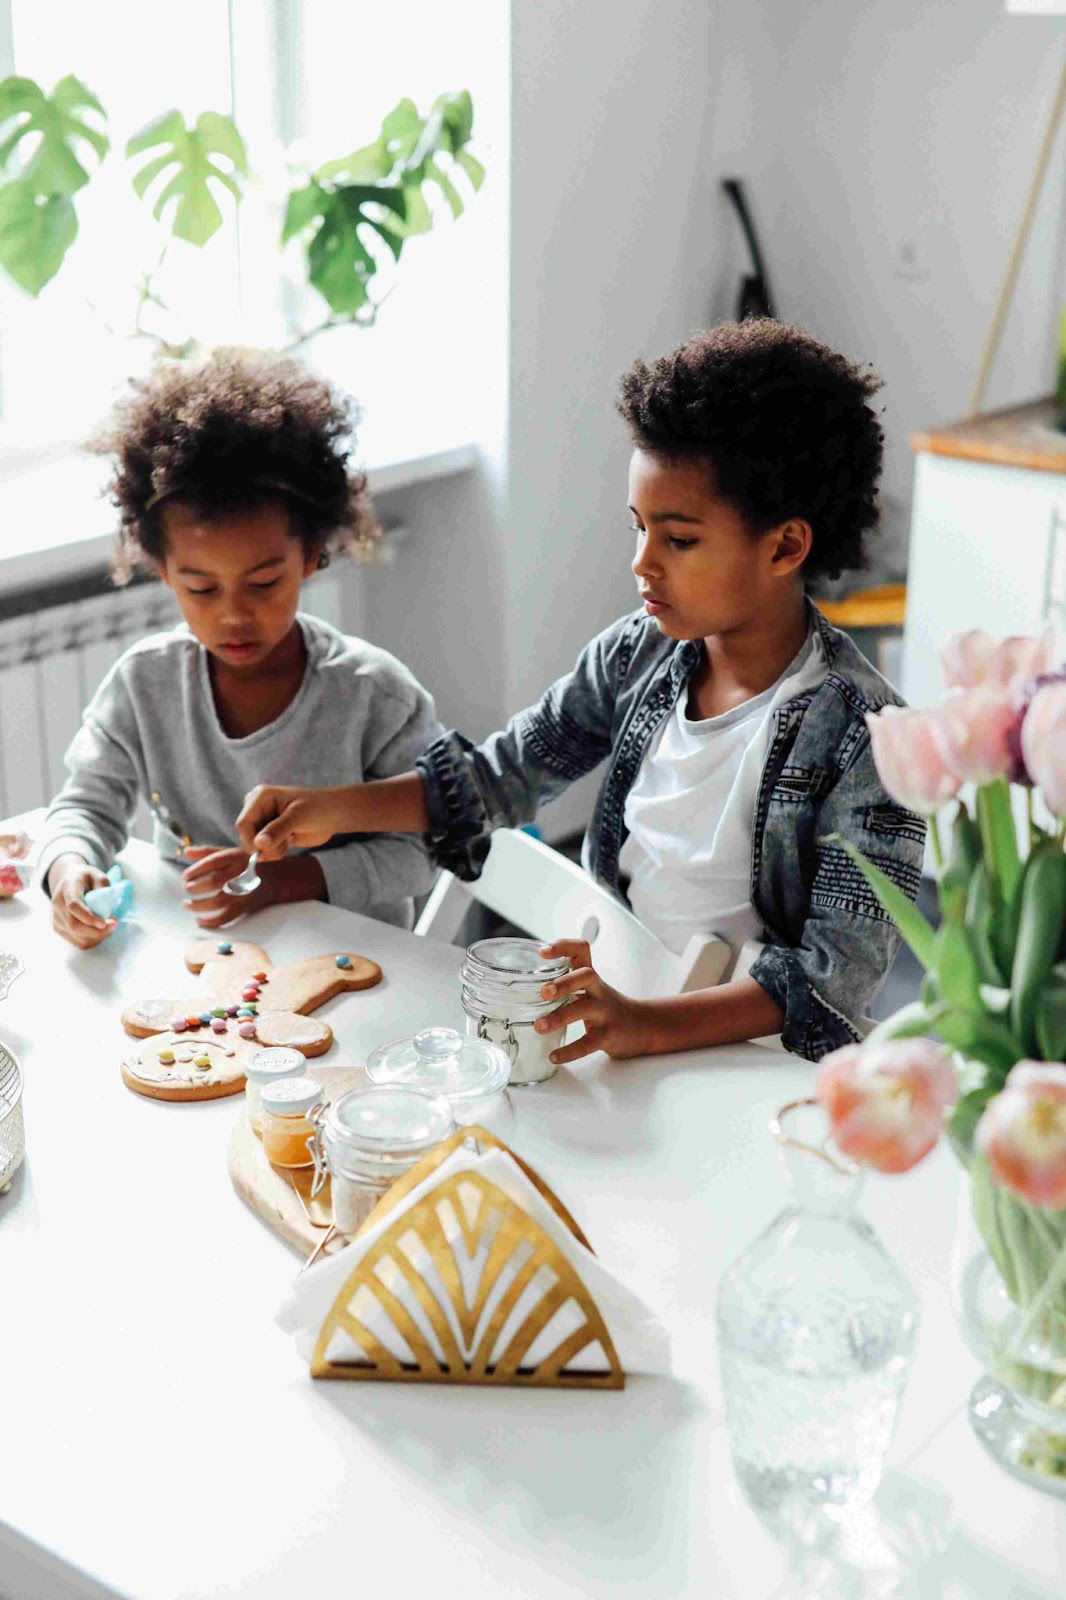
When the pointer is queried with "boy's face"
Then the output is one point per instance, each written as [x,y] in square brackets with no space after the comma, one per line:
[236,578]
[698,568]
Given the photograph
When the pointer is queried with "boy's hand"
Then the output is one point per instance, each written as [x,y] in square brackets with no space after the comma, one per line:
[69,877]
[276,818]
[613,1022]
[213,867]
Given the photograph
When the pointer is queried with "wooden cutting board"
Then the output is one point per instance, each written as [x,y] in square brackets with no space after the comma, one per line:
[270,1191]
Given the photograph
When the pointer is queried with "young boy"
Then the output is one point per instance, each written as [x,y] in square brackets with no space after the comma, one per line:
[232,482]
[731,713]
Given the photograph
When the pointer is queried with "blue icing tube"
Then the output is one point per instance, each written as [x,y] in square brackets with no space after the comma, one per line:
[114,901]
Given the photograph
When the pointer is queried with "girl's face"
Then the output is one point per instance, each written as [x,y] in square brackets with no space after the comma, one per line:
[236,578]
[698,569]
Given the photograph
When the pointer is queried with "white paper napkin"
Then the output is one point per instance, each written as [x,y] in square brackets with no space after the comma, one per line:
[641,1341]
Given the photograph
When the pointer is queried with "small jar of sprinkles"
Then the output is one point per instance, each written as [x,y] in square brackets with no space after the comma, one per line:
[501,983]
[269,1066]
[286,1132]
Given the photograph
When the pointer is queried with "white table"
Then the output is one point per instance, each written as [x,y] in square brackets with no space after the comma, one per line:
[160,1438]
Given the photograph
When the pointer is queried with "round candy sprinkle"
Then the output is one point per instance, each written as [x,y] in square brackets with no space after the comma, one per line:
[218,1024]
[224,947]
[342,961]
[251,1008]
[260,977]
[246,1029]
[250,993]
[203,1060]
[191,1021]
[244,1011]
[205,1016]
[178,1025]
[166,1055]
[231,1011]
[218,1011]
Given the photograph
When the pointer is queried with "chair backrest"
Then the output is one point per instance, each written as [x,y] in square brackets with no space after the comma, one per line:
[550,897]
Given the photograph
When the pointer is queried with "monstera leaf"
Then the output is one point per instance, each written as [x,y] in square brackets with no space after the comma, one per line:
[36,232]
[56,122]
[380,188]
[191,152]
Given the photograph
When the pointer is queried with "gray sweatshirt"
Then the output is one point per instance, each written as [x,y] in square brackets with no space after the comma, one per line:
[152,726]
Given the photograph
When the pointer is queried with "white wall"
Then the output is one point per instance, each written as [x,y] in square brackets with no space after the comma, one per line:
[916,121]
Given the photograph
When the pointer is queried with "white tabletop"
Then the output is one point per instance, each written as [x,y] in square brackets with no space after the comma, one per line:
[160,1437]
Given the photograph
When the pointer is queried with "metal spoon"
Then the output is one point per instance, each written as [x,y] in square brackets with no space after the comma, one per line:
[245,881]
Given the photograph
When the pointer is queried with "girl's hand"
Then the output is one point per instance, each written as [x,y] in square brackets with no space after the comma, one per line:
[68,878]
[215,865]
[613,1023]
[276,818]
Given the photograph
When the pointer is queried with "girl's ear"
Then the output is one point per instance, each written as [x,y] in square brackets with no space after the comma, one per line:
[790,546]
[315,560]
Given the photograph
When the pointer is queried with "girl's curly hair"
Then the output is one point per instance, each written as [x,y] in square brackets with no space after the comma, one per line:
[784,423]
[227,433]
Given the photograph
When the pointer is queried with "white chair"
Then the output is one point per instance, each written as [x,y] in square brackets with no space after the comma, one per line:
[531,885]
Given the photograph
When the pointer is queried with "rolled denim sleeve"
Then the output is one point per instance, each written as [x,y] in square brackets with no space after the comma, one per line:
[827,983]
[472,789]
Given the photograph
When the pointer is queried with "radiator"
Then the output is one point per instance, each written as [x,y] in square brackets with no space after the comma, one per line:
[52,661]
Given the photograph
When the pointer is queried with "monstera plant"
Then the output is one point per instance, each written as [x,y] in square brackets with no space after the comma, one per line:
[349,215]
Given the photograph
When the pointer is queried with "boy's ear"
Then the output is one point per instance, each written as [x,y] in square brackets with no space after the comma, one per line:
[791,545]
[315,559]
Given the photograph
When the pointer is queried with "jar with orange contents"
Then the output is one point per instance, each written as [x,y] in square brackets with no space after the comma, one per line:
[286,1131]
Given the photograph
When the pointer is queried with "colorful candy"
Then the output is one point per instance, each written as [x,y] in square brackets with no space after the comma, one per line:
[260,977]
[166,1055]
[203,1060]
[231,1011]
[218,1024]
[246,1030]
[342,961]
[192,1021]
[205,1016]
[251,992]
[224,947]
[178,1025]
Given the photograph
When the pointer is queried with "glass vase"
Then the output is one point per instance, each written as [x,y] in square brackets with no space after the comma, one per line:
[1010,1292]
[816,1333]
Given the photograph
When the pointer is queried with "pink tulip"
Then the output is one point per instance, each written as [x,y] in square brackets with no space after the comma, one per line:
[976,732]
[1022,1133]
[908,761]
[886,1103]
[1044,744]
[972,659]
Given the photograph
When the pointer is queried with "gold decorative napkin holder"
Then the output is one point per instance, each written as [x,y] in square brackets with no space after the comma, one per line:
[465,1211]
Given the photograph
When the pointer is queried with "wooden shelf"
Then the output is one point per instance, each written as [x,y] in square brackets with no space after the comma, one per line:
[1022,436]
[882,607]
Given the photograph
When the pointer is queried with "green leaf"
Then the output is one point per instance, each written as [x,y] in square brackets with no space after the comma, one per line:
[58,125]
[981,1038]
[35,234]
[367,165]
[999,835]
[983,906]
[191,152]
[340,266]
[471,166]
[968,1111]
[908,919]
[1050,1021]
[446,187]
[302,208]
[960,978]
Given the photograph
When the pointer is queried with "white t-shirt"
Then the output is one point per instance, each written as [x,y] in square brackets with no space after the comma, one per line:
[691,811]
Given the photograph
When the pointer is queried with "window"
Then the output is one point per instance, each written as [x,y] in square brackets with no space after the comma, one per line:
[319,73]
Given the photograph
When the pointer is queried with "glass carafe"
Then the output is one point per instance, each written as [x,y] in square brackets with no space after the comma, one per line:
[816,1332]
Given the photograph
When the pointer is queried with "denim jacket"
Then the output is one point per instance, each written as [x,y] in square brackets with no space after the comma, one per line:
[828,943]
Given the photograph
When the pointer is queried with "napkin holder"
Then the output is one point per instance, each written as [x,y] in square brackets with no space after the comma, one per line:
[423,1250]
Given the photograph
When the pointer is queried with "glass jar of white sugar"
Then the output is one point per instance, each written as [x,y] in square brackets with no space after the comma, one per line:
[501,983]
[370,1137]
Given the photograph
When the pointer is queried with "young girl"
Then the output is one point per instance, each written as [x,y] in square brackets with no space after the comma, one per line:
[731,713]
[231,480]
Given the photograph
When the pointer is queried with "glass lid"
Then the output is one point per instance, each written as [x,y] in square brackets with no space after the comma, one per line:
[442,1061]
[518,958]
[388,1118]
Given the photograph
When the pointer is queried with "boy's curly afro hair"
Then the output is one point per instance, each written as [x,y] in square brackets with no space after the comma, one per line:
[228,433]
[784,422]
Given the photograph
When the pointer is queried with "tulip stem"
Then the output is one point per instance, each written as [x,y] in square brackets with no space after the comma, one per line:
[938,849]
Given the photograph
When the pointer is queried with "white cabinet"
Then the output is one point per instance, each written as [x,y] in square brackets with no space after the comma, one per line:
[988,539]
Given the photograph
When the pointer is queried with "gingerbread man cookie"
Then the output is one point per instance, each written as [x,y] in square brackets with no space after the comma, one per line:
[196,1045]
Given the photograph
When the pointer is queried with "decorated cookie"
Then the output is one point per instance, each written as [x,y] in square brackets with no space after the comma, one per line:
[196,1044]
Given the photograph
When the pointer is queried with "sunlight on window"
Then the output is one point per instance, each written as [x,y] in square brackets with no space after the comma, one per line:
[67,354]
